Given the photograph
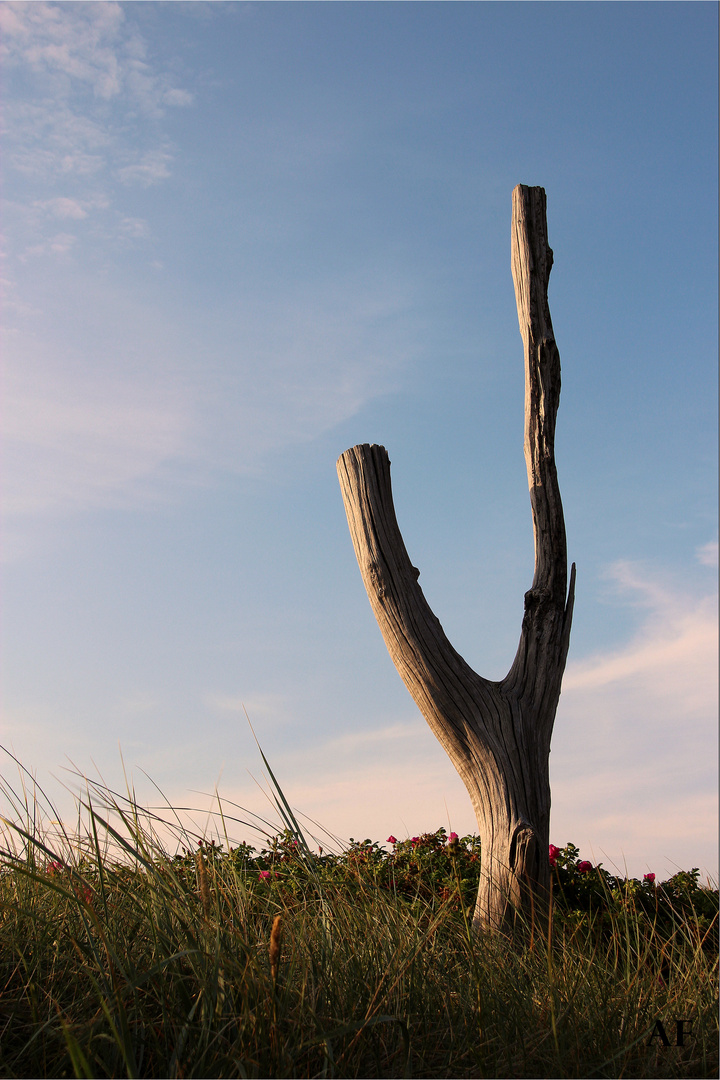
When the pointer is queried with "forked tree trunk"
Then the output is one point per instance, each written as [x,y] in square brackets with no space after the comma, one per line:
[497,734]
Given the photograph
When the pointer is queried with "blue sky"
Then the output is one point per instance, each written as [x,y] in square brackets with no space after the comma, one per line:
[240,238]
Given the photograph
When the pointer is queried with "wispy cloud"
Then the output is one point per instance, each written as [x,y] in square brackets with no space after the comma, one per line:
[134,228]
[270,709]
[63,208]
[67,448]
[153,167]
[708,553]
[113,393]
[636,734]
[72,209]
[77,42]
[82,426]
[115,410]
[87,105]
[88,44]
[396,780]
[672,652]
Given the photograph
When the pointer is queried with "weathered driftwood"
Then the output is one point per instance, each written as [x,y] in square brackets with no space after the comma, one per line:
[497,734]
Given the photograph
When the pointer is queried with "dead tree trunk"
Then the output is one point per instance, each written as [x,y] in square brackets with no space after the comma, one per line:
[497,734]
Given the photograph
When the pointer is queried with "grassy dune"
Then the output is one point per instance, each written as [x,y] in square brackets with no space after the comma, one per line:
[122,959]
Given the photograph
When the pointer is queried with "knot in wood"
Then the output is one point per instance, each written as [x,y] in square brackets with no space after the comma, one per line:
[373,572]
[523,847]
[535,597]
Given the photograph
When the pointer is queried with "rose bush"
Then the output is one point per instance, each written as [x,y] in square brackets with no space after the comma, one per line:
[442,868]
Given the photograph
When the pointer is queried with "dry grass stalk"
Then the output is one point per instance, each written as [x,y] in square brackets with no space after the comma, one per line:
[203,882]
[275,935]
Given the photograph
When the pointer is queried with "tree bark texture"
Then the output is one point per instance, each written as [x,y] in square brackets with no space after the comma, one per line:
[497,734]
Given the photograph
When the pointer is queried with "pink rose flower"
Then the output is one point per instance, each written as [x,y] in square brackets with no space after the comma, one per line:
[392,839]
[650,878]
[414,840]
[584,866]
[264,875]
[553,853]
[453,837]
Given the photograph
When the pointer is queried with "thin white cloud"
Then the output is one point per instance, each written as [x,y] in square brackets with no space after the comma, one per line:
[76,41]
[302,363]
[271,709]
[708,553]
[129,401]
[58,134]
[64,208]
[74,438]
[371,741]
[115,401]
[89,44]
[61,243]
[134,228]
[675,651]
[635,744]
[178,97]
[12,304]
[151,169]
[70,209]
[58,245]
[403,794]
[389,784]
[48,140]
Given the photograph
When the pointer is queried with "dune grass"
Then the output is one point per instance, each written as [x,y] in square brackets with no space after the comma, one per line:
[122,959]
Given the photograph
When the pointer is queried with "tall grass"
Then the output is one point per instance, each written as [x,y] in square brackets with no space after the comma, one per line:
[122,959]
